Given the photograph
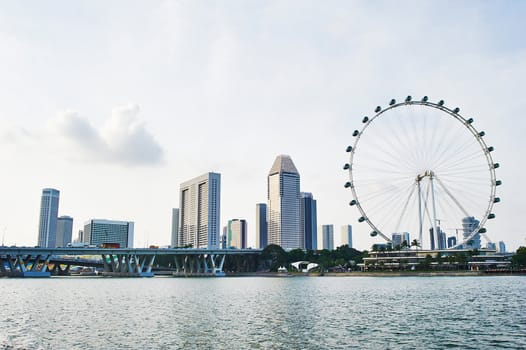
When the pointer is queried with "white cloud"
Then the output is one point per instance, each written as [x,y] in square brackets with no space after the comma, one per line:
[123,138]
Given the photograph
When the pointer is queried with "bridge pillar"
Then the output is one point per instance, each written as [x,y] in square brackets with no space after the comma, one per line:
[24,266]
[199,265]
[128,265]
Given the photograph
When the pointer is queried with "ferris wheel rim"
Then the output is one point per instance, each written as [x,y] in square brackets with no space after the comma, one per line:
[466,123]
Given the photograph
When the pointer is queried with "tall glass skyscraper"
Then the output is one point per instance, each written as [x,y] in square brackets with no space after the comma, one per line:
[199,211]
[47,228]
[261,226]
[308,221]
[327,237]
[283,197]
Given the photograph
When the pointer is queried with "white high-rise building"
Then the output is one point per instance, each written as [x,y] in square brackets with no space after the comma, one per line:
[175,226]
[346,235]
[100,231]
[47,228]
[199,211]
[284,204]
[237,233]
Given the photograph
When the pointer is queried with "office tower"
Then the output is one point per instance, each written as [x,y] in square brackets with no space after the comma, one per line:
[441,238]
[346,235]
[237,233]
[223,238]
[308,220]
[451,241]
[199,211]
[64,231]
[396,239]
[47,228]
[100,231]
[327,236]
[175,226]
[432,238]
[491,246]
[406,238]
[261,225]
[502,247]
[469,224]
[283,212]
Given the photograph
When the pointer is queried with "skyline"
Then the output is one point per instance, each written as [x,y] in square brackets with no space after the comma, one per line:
[117,105]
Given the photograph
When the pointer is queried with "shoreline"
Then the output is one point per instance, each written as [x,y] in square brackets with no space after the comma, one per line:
[377,274]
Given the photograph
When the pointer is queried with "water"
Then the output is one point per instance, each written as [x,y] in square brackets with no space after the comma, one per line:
[264,313]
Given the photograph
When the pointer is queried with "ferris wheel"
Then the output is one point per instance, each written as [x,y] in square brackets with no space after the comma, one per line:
[419,169]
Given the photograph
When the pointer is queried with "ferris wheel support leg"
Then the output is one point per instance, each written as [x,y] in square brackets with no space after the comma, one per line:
[435,227]
[419,214]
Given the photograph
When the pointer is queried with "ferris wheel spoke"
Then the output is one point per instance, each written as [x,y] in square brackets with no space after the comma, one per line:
[452,197]
[397,227]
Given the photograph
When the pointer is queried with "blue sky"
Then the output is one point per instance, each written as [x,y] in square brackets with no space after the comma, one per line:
[116,103]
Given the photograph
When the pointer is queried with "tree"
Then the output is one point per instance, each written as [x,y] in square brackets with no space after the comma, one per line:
[519,259]
[275,255]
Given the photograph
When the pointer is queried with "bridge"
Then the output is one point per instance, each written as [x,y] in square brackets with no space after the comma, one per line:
[118,262]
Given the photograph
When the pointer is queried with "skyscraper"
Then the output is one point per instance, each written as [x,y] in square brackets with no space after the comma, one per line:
[502,247]
[327,236]
[451,241]
[469,224]
[237,233]
[261,226]
[284,204]
[175,226]
[199,211]
[346,235]
[100,231]
[64,231]
[47,228]
[308,220]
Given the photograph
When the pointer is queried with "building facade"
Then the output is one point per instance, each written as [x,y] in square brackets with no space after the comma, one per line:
[175,227]
[237,233]
[47,228]
[64,231]
[308,221]
[346,235]
[502,247]
[261,226]
[199,212]
[327,236]
[283,212]
[469,224]
[99,231]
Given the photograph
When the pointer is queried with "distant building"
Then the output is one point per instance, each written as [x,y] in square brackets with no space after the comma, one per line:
[199,211]
[442,241]
[327,236]
[261,225]
[223,238]
[175,227]
[346,235]
[432,238]
[406,238]
[284,204]
[99,231]
[237,233]
[451,241]
[469,224]
[491,246]
[308,221]
[47,228]
[502,247]
[396,239]
[64,231]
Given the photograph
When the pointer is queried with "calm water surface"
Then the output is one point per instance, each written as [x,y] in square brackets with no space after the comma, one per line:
[264,313]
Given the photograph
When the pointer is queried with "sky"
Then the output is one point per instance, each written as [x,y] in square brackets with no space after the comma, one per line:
[115,103]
